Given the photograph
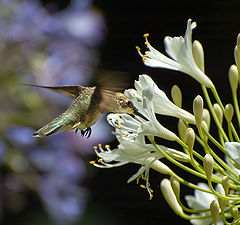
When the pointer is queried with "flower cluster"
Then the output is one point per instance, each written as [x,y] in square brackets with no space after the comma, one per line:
[216,198]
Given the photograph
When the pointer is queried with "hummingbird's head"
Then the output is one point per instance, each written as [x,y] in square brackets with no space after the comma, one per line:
[125,105]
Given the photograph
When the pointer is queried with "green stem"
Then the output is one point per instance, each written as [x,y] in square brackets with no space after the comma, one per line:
[210,106]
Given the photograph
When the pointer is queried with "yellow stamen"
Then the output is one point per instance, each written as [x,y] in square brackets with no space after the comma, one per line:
[126,134]
[137,48]
[150,197]
[95,147]
[92,162]
[99,145]
[143,59]
[117,119]
[142,186]
[120,127]
[107,146]
[146,35]
[146,43]
[100,160]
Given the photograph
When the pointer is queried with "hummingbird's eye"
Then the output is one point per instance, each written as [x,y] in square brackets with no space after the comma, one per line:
[130,104]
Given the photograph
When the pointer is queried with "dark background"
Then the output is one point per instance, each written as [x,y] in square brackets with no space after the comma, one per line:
[218,23]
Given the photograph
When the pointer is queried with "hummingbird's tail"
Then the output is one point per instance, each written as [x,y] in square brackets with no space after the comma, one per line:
[54,126]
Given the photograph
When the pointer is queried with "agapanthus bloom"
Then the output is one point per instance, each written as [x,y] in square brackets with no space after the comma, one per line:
[180,50]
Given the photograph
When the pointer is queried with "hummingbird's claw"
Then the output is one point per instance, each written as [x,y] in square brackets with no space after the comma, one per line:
[76,130]
[87,132]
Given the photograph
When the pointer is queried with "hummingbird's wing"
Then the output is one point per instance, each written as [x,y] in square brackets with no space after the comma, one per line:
[72,91]
[108,83]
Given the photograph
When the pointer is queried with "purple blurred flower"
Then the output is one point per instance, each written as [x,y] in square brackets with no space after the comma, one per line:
[3,150]
[20,136]
[64,201]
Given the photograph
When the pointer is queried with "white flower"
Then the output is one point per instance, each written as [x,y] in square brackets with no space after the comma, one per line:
[233,150]
[202,200]
[180,50]
[145,86]
[133,149]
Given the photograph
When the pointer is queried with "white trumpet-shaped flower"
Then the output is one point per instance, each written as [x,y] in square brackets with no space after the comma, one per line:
[233,150]
[202,200]
[180,50]
[145,86]
[133,149]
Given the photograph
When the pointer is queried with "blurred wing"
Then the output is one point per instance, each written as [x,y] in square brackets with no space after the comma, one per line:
[113,81]
[108,83]
[72,91]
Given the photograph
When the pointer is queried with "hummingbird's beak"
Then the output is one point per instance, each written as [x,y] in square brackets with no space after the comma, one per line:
[136,112]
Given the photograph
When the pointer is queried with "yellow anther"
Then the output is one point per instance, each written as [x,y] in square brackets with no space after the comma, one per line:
[150,197]
[117,119]
[137,48]
[146,43]
[120,127]
[100,160]
[126,134]
[142,186]
[99,145]
[107,146]
[146,35]
[92,162]
[143,59]
[95,147]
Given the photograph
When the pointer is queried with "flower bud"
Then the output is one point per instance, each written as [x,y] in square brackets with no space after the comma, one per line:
[198,109]
[190,138]
[161,167]
[218,112]
[198,55]
[175,186]
[233,77]
[229,111]
[214,208]
[225,184]
[208,166]
[205,126]
[176,96]
[182,130]
[234,212]
[170,197]
[237,57]
[206,117]
[222,202]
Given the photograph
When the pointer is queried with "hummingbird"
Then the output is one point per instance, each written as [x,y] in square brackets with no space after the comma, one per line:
[88,106]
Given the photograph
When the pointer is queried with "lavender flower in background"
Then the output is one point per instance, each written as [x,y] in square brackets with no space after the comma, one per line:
[38,47]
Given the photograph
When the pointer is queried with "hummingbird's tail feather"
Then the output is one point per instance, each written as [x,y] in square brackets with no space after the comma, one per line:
[54,126]
[72,91]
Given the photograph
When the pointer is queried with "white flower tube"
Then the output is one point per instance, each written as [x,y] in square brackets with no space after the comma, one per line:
[180,50]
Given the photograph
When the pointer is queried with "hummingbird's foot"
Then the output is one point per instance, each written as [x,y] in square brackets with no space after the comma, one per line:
[87,132]
[76,130]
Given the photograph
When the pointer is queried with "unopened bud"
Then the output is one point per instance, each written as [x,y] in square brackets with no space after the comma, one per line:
[222,203]
[208,166]
[170,197]
[218,112]
[233,77]
[237,57]
[176,96]
[175,186]
[161,167]
[206,117]
[182,130]
[198,109]
[234,212]
[190,138]
[198,54]
[214,208]
[225,184]
[229,111]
